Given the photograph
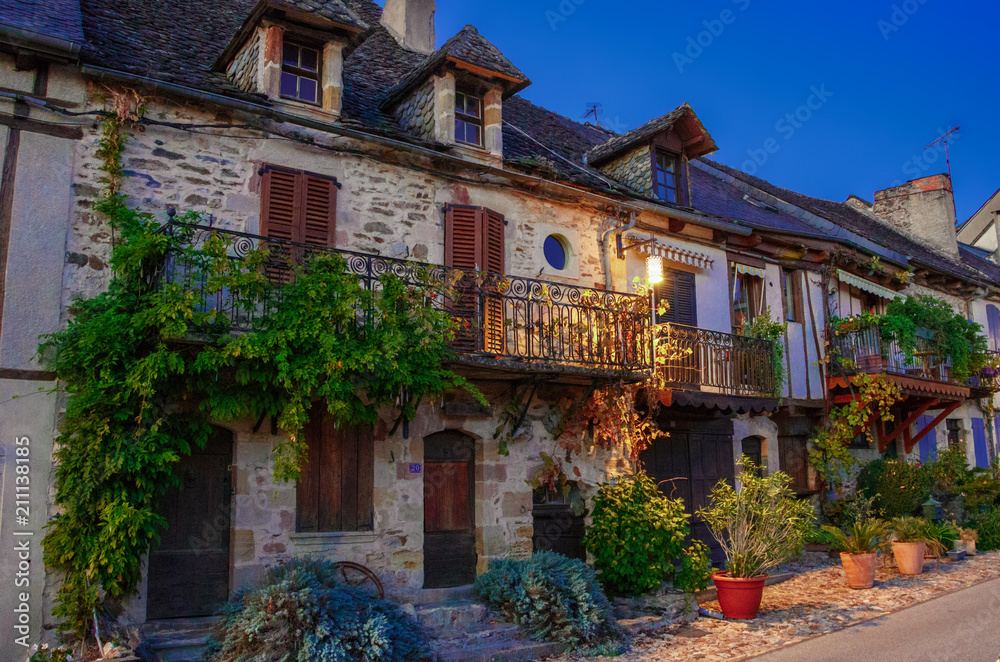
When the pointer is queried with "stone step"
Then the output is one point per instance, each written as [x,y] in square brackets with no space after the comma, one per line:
[452,616]
[432,595]
[183,640]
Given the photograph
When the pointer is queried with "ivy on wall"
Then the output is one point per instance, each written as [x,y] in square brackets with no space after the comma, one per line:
[142,395]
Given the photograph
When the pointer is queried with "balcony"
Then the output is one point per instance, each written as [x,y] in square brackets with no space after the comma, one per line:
[716,362]
[503,322]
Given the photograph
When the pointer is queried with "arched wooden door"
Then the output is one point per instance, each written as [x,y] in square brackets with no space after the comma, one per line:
[189,570]
[449,510]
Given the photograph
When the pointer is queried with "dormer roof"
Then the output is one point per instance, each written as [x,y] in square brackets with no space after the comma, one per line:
[697,140]
[467,50]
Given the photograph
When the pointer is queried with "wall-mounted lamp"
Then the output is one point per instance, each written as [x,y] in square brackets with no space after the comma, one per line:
[654,269]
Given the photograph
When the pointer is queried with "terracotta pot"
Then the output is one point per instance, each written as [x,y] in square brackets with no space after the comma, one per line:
[739,598]
[909,557]
[860,569]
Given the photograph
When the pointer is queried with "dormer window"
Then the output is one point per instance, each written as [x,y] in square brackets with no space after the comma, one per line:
[300,73]
[468,119]
[667,177]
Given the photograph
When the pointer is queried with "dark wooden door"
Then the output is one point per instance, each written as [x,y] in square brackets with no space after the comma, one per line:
[189,570]
[698,454]
[449,512]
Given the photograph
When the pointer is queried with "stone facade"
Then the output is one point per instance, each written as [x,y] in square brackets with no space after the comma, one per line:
[635,170]
[244,70]
[416,113]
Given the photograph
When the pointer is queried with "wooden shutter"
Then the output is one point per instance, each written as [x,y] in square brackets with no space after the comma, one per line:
[678,290]
[494,337]
[474,242]
[462,238]
[280,204]
[319,215]
[299,206]
[336,490]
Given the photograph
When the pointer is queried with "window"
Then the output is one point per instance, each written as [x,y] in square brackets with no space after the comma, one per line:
[678,291]
[336,489]
[748,298]
[468,119]
[993,327]
[474,241]
[791,291]
[557,251]
[667,179]
[300,73]
[954,427]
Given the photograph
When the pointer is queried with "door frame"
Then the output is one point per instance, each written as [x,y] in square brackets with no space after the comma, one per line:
[447,446]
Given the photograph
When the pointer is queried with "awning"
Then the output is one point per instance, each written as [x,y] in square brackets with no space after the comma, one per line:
[724,404]
[867,285]
[750,271]
[673,253]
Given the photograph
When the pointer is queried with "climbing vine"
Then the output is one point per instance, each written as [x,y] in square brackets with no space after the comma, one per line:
[765,328]
[148,364]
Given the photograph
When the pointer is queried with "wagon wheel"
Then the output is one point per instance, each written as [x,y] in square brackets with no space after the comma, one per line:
[358,576]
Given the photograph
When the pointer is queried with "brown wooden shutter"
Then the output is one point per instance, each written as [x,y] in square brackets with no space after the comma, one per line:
[494,336]
[462,232]
[280,204]
[474,242]
[319,217]
[678,290]
[299,206]
[336,490]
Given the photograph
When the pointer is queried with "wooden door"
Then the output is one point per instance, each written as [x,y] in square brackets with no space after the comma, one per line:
[449,516]
[189,570]
[688,464]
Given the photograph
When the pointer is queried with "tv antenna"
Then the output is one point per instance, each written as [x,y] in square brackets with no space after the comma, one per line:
[595,109]
[944,140]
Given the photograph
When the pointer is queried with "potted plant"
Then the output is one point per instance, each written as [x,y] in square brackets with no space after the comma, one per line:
[910,542]
[861,544]
[760,526]
[969,537]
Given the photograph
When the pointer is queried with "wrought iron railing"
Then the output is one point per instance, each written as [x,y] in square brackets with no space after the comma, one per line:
[864,351]
[501,318]
[703,360]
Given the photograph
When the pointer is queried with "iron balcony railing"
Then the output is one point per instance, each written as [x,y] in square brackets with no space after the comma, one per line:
[501,319]
[864,351]
[703,360]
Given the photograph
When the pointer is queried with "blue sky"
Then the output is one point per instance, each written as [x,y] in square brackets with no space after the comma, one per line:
[890,75]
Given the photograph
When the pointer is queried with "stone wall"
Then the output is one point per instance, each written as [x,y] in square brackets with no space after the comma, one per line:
[416,113]
[244,68]
[634,170]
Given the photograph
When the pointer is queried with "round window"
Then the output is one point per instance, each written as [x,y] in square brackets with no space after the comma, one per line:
[556,251]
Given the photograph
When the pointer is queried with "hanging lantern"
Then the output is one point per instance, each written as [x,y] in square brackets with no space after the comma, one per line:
[654,270]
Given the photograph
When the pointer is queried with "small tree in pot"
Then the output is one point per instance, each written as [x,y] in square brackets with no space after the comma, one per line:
[759,527]
[861,544]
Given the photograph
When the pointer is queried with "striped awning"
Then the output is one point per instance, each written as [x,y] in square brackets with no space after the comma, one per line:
[867,285]
[673,253]
[750,271]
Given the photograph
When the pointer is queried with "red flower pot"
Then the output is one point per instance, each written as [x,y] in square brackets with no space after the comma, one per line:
[739,598]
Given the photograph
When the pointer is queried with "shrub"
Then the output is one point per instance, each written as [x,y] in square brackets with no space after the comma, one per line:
[949,471]
[818,536]
[944,535]
[861,538]
[301,613]
[846,512]
[988,528]
[46,654]
[553,597]
[761,526]
[636,534]
[983,490]
[899,488]
[695,570]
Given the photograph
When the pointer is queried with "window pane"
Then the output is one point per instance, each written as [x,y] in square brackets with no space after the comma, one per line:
[477,138]
[310,58]
[472,106]
[459,102]
[289,84]
[555,253]
[307,89]
[290,54]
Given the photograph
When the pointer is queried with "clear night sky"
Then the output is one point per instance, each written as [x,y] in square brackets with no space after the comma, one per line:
[899,73]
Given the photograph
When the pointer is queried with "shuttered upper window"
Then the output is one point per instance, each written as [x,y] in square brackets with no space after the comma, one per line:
[474,239]
[299,206]
[678,291]
[335,491]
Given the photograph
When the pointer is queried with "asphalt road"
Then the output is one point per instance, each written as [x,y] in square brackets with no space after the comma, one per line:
[962,626]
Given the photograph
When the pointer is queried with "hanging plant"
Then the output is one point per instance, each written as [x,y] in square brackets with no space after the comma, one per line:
[765,328]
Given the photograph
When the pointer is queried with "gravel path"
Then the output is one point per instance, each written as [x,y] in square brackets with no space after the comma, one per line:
[815,602]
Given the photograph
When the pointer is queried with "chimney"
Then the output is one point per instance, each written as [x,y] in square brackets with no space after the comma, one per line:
[924,209]
[411,22]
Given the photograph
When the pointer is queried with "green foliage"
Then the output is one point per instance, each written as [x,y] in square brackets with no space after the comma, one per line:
[45,654]
[863,537]
[843,513]
[917,529]
[899,488]
[987,526]
[765,328]
[948,472]
[140,400]
[553,597]
[818,536]
[301,612]
[944,534]
[982,491]
[635,535]
[955,337]
[696,568]
[762,525]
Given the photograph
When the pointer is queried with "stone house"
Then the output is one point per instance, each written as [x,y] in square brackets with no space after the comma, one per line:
[338,125]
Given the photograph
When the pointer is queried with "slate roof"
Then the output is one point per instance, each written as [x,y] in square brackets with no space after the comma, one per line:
[52,18]
[624,142]
[977,258]
[860,223]
[468,46]
[334,10]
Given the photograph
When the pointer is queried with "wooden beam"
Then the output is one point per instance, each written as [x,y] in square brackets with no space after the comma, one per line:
[933,424]
[905,425]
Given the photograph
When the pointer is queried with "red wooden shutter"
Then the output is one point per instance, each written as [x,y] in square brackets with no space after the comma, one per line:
[280,204]
[463,245]
[319,218]
[494,337]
